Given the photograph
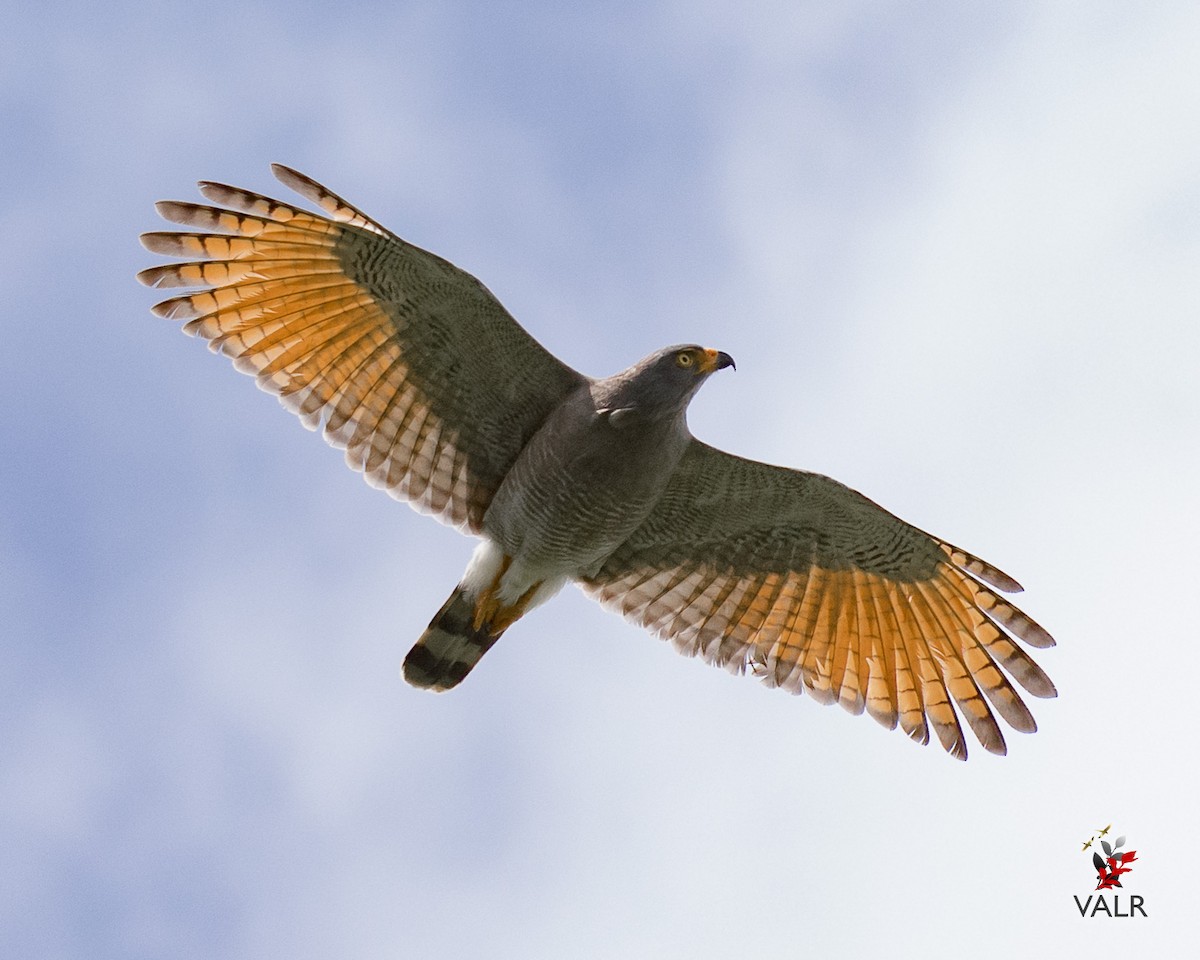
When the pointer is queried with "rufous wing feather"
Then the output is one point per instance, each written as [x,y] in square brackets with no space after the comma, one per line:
[407,363]
[812,587]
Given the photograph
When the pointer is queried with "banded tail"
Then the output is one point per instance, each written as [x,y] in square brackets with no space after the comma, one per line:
[473,618]
[451,645]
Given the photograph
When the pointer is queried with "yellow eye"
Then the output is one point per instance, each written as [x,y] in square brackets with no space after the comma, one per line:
[684,359]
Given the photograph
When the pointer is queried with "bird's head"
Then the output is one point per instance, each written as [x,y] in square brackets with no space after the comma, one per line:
[691,361]
[665,381]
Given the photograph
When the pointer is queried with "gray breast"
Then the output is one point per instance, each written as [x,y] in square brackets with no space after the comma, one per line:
[582,484]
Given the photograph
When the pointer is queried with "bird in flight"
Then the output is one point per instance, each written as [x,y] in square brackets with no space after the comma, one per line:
[1104,832]
[438,396]
[1088,844]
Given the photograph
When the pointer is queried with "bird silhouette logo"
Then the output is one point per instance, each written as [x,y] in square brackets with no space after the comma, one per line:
[1116,861]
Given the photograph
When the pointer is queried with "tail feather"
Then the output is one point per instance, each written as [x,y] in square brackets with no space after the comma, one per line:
[450,646]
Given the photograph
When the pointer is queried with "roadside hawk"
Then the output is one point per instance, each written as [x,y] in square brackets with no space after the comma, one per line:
[438,396]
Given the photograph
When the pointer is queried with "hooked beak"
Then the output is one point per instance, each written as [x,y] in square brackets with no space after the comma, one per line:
[716,360]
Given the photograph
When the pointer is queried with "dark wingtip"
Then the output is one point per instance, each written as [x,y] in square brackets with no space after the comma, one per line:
[291,177]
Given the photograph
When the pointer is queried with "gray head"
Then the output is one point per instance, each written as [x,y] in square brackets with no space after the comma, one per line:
[665,381]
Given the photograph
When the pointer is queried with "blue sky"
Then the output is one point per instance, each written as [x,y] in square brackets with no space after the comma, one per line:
[953,249]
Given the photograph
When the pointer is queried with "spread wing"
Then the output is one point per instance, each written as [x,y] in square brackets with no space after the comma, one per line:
[811,586]
[407,362]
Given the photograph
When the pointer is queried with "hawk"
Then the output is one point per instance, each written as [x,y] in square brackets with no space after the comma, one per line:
[438,396]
